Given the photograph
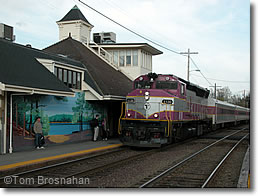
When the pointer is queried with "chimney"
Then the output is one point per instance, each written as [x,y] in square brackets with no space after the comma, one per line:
[6,32]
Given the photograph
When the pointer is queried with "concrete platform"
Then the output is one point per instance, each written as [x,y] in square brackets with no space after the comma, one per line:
[244,178]
[36,156]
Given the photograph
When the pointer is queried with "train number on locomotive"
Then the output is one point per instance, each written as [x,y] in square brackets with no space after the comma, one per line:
[167,101]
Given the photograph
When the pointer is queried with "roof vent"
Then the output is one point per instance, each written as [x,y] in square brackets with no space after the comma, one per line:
[6,32]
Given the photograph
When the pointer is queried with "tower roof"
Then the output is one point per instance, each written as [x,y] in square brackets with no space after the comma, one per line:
[74,14]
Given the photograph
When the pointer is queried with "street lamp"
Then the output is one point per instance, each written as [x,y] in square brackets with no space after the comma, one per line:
[193,70]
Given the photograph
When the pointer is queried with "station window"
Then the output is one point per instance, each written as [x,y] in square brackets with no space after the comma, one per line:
[115,57]
[70,78]
[78,85]
[143,59]
[65,76]
[128,57]
[55,71]
[74,79]
[121,58]
[60,74]
[135,58]
[146,60]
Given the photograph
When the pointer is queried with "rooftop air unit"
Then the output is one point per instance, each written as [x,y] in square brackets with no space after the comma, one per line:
[6,32]
[104,37]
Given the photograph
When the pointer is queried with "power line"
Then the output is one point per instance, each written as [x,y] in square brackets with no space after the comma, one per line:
[242,91]
[230,81]
[133,18]
[200,71]
[164,47]
[196,82]
[188,62]
[215,90]
[143,37]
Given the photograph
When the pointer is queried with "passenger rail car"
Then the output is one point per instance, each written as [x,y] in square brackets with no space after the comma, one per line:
[165,108]
[223,113]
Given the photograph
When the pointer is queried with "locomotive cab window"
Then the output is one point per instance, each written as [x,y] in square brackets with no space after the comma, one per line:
[167,85]
[182,89]
[142,85]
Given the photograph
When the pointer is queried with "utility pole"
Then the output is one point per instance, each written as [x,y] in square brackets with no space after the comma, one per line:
[215,90]
[244,99]
[188,62]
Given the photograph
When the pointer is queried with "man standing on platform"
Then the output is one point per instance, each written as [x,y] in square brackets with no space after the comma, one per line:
[104,129]
[38,133]
[95,125]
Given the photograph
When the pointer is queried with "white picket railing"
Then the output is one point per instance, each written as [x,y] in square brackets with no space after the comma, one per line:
[102,53]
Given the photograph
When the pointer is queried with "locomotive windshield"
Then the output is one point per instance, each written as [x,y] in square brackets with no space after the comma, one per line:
[159,85]
[142,85]
[166,85]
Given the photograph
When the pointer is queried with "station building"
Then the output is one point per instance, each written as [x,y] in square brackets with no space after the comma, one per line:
[132,59]
[66,84]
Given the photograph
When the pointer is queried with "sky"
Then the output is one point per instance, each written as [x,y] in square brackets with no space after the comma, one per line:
[219,30]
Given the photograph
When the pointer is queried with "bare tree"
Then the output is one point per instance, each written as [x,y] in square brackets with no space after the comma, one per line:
[241,100]
[224,94]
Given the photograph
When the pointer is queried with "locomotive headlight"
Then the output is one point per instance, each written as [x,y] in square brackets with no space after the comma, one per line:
[147,96]
[129,115]
[156,115]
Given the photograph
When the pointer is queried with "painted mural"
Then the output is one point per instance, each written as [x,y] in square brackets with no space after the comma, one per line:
[64,119]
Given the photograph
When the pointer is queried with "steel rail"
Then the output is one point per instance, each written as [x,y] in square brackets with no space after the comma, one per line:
[109,165]
[188,158]
[63,163]
[114,163]
[103,167]
[222,161]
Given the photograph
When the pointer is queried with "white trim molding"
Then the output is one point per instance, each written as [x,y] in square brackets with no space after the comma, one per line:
[38,91]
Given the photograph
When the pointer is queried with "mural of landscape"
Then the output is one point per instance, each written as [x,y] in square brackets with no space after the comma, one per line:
[62,118]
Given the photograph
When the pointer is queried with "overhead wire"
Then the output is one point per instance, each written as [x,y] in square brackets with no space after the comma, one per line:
[200,71]
[147,39]
[139,35]
[229,81]
[136,20]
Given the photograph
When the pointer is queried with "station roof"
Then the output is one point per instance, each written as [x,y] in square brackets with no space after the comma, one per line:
[103,78]
[20,70]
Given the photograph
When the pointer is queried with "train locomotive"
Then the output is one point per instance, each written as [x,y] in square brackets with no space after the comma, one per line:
[164,108]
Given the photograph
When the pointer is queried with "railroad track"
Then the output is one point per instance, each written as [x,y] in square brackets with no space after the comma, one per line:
[198,169]
[83,167]
[60,169]
[86,167]
[92,167]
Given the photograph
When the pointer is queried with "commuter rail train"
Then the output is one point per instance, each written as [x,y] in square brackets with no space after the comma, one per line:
[164,108]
